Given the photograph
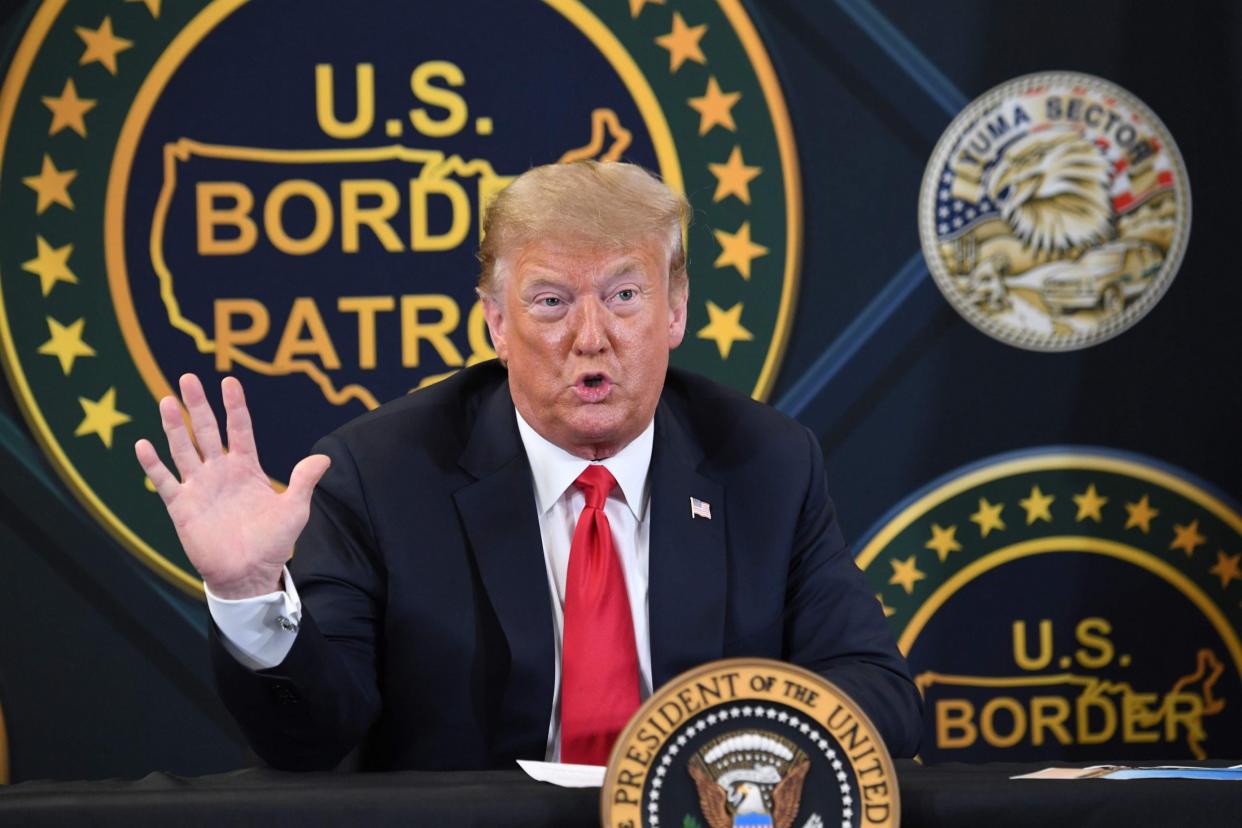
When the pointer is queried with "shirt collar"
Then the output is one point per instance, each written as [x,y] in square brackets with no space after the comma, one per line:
[555,469]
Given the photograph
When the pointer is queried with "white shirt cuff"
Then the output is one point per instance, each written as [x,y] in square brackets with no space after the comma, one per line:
[258,631]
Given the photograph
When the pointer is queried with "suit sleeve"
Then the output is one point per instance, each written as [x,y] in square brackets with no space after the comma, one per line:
[835,626]
[309,711]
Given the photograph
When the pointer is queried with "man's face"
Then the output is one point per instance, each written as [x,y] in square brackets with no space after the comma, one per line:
[586,333]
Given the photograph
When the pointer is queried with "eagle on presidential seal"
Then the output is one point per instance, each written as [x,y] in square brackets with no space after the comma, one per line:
[749,778]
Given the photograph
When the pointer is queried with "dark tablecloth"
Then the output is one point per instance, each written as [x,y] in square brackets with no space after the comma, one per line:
[942,795]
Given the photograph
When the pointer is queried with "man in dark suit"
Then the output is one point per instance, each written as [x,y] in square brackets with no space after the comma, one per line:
[501,565]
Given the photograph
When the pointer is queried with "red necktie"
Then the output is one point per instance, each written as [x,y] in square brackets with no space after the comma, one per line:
[599,660]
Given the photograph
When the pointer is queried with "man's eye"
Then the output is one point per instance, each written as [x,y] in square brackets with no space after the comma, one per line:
[627,295]
[550,301]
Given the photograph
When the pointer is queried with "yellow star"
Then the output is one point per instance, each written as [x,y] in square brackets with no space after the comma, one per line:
[738,250]
[1228,568]
[51,265]
[66,343]
[725,328]
[906,573]
[889,612]
[1037,506]
[988,517]
[52,185]
[943,541]
[1141,515]
[637,6]
[715,107]
[101,417]
[682,43]
[1187,538]
[153,6]
[733,177]
[68,110]
[1089,505]
[102,46]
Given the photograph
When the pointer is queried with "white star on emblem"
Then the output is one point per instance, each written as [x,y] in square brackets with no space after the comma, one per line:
[672,750]
[836,763]
[681,740]
[944,228]
[957,222]
[711,718]
[948,178]
[943,212]
[944,193]
[845,789]
[847,799]
[841,776]
[782,717]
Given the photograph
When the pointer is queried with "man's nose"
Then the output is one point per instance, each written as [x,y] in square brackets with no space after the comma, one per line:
[591,333]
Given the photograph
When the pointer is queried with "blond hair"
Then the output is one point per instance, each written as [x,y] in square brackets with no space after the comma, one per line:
[603,203]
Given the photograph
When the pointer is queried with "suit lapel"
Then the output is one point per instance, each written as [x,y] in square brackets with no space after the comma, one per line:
[687,576]
[498,513]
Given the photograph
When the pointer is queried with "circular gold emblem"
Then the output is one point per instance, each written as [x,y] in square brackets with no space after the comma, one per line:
[306,218]
[1055,211]
[749,742]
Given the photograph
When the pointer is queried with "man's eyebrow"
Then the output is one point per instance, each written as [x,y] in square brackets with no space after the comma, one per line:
[539,282]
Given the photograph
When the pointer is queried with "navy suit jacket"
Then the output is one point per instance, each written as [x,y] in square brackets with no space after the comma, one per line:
[427,633]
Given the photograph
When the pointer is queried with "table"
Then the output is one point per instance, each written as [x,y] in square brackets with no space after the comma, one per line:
[940,795]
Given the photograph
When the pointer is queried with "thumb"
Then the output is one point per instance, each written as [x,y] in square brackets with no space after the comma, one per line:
[306,475]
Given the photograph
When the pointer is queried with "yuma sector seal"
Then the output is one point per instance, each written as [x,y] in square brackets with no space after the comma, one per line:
[1099,595]
[187,187]
[749,742]
[1055,211]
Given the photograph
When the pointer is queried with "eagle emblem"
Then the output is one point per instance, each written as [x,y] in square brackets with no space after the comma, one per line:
[1054,211]
[749,778]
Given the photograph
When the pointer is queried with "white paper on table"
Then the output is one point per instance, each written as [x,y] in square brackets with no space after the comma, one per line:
[1069,773]
[567,776]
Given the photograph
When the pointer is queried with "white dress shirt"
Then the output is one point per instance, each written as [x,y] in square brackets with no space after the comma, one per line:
[259,631]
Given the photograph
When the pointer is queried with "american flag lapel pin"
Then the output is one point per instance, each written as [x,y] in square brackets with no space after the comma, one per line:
[700,509]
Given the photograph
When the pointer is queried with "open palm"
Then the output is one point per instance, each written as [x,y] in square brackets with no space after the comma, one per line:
[237,530]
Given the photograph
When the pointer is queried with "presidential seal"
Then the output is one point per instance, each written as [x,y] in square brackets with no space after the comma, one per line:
[749,742]
[292,194]
[1067,603]
[1055,211]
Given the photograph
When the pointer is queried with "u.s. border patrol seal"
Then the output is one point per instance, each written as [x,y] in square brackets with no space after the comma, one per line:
[1055,211]
[749,742]
[1067,603]
[292,193]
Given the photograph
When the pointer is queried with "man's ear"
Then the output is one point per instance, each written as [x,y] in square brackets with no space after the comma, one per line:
[677,300]
[494,313]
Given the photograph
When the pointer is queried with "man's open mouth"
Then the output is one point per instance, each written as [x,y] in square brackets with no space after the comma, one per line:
[593,387]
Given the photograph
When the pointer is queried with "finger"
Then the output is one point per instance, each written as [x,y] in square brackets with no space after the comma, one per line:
[237,417]
[163,480]
[184,455]
[202,418]
[306,475]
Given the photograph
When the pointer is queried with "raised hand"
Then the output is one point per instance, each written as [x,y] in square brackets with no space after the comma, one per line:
[237,531]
